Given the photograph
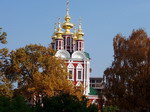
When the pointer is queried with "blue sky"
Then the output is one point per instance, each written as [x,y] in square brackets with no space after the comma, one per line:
[32,22]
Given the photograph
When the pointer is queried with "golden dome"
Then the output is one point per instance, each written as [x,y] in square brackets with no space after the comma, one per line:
[67,25]
[80,34]
[59,32]
[80,37]
[54,37]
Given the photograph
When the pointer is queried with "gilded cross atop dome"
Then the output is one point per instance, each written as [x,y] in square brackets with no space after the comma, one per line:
[59,32]
[67,25]
[67,9]
[80,34]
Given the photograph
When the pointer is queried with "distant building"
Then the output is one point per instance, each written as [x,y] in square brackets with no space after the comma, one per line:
[97,83]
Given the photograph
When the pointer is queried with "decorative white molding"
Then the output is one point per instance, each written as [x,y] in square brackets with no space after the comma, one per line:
[88,77]
[79,66]
[78,83]
[73,61]
[70,65]
[94,97]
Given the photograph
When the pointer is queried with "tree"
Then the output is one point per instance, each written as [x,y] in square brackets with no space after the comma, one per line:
[127,79]
[110,109]
[65,103]
[5,83]
[38,72]
[3,37]
[15,104]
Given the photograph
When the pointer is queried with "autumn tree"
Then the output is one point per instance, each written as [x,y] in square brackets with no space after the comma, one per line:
[128,78]
[5,83]
[38,72]
[3,37]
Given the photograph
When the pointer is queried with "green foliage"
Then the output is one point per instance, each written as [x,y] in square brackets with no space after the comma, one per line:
[16,104]
[5,104]
[92,108]
[65,103]
[110,109]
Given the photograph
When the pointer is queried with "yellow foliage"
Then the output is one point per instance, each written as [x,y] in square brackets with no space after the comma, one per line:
[39,72]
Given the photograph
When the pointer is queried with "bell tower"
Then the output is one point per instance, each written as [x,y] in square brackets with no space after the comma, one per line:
[59,39]
[67,26]
[80,40]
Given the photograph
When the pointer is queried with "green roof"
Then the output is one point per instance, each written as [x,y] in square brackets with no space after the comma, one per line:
[87,55]
[92,91]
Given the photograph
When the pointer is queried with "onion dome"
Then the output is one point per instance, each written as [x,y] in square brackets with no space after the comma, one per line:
[80,34]
[59,32]
[67,25]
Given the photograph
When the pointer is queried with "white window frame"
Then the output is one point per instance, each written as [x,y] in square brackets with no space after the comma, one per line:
[71,68]
[79,68]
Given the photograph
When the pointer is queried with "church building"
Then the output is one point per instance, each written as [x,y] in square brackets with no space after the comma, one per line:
[70,47]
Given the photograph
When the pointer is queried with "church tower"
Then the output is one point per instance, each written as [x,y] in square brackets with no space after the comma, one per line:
[70,47]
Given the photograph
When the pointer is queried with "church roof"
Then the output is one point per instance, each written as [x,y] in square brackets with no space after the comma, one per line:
[92,91]
[87,55]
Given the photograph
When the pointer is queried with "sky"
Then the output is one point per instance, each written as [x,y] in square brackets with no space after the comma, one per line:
[32,22]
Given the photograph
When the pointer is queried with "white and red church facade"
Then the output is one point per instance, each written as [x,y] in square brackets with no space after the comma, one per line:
[70,47]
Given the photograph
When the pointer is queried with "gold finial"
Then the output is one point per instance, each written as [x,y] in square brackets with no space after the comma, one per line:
[67,17]
[80,34]
[67,25]
[59,25]
[59,32]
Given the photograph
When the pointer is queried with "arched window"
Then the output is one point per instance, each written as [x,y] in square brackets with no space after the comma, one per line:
[79,72]
[71,72]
